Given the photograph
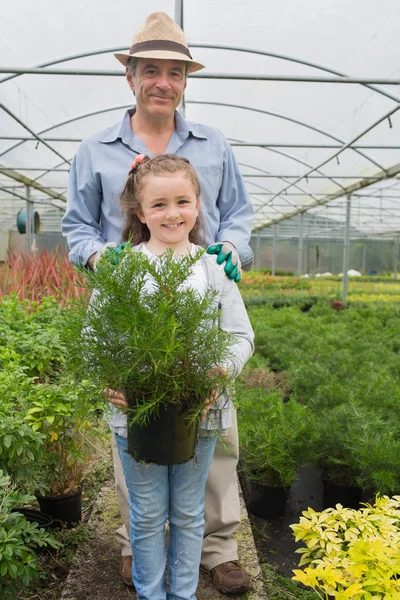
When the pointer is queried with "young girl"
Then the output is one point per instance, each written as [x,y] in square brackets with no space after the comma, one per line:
[161,201]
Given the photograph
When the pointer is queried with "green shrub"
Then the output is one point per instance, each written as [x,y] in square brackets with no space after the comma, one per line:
[276,437]
[351,554]
[18,541]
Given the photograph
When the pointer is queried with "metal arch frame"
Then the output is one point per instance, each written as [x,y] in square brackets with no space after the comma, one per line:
[125,106]
[366,223]
[230,76]
[20,138]
[360,184]
[241,49]
[286,118]
[304,192]
[258,185]
[13,174]
[346,146]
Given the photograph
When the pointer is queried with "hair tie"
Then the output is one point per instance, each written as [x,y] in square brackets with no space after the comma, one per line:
[139,159]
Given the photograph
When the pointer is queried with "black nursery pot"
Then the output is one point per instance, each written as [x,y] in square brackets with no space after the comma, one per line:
[65,510]
[267,501]
[44,520]
[347,496]
[165,440]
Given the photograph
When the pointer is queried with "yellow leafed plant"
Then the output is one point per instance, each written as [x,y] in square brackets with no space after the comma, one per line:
[351,554]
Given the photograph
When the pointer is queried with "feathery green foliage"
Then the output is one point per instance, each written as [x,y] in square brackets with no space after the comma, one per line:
[148,334]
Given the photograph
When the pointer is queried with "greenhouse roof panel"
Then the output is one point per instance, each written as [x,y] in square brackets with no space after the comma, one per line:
[292,139]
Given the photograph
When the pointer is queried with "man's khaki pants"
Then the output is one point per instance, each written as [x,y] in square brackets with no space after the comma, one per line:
[222,508]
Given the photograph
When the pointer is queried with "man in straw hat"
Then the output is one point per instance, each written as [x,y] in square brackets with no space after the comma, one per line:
[157,65]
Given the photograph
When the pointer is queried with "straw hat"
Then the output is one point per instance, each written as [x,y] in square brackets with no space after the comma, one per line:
[160,37]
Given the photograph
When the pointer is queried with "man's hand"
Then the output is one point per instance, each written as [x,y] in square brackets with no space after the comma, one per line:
[94,259]
[226,252]
[116,398]
[113,254]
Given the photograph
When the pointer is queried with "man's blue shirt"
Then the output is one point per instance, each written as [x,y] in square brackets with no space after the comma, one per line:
[100,169]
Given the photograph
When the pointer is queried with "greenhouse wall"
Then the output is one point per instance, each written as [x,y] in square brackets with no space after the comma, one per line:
[321,256]
[16,242]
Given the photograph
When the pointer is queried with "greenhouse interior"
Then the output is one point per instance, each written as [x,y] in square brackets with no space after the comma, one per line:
[307,95]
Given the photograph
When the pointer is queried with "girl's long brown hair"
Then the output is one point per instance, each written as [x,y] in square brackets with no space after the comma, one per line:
[136,231]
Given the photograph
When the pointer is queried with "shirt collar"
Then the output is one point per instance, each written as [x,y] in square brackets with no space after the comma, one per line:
[183,128]
[122,130]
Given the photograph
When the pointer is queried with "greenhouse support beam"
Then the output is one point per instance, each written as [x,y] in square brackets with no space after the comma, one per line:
[300,248]
[395,257]
[274,250]
[244,49]
[364,259]
[346,146]
[78,140]
[229,76]
[257,256]
[12,174]
[286,118]
[29,236]
[180,20]
[346,248]
[35,135]
[358,185]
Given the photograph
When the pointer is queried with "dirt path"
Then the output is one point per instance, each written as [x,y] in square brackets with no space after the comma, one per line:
[95,576]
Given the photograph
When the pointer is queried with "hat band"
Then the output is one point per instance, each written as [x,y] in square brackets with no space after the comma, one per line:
[160,45]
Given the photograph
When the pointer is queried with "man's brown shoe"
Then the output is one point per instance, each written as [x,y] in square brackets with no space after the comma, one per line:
[125,570]
[230,578]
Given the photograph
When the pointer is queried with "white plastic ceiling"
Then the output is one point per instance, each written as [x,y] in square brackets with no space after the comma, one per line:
[358,38]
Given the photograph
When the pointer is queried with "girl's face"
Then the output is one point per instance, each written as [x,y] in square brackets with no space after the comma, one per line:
[169,207]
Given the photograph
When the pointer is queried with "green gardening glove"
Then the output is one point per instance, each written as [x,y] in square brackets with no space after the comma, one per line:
[228,254]
[113,254]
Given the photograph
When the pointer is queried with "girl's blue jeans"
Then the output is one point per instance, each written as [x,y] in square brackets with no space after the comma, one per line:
[158,493]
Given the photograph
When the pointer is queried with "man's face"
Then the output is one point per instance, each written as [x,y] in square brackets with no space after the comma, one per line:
[158,86]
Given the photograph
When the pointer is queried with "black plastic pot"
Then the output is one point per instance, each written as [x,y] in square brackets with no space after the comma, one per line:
[267,501]
[65,510]
[35,516]
[347,496]
[165,440]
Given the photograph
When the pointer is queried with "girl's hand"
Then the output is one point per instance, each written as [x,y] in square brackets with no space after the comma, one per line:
[213,372]
[205,410]
[116,398]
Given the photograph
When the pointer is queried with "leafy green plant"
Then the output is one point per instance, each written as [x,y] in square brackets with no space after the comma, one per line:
[158,347]
[33,330]
[276,437]
[359,447]
[61,414]
[21,448]
[351,553]
[18,541]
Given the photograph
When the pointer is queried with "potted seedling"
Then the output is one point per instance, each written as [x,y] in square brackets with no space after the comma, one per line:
[359,450]
[276,439]
[60,412]
[157,346]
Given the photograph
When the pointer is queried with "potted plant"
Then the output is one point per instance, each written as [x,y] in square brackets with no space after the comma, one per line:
[276,438]
[60,412]
[358,452]
[157,347]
